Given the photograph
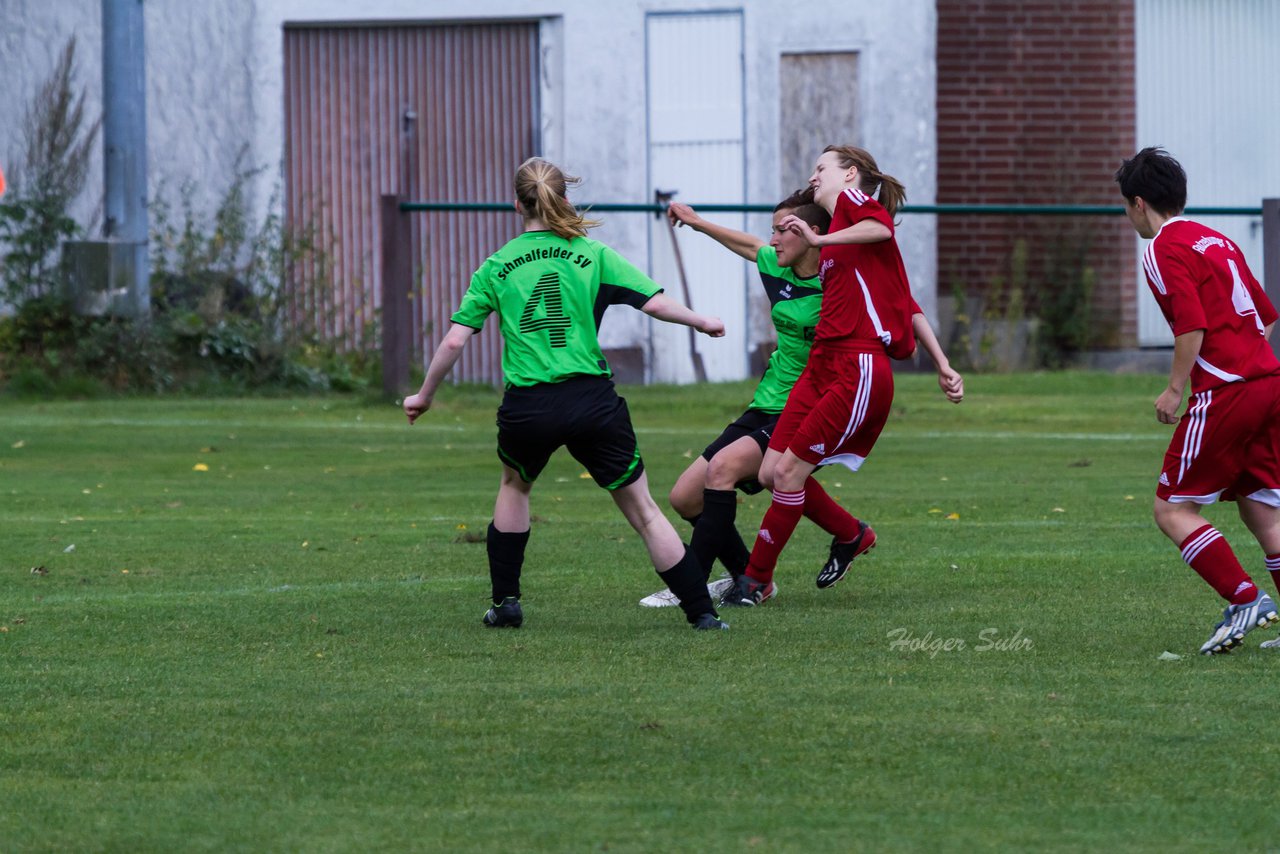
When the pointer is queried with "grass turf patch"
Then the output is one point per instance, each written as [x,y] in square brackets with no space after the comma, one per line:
[267,637]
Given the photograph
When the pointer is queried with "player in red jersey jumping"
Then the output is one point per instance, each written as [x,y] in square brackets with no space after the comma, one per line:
[1227,443]
[840,403]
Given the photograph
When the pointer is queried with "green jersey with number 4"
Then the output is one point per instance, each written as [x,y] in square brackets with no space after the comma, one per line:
[550,295]
[795,304]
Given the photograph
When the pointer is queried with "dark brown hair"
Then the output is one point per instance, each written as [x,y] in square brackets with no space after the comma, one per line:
[801,204]
[892,193]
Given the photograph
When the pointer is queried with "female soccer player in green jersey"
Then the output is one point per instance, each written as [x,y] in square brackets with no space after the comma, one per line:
[705,493]
[550,287]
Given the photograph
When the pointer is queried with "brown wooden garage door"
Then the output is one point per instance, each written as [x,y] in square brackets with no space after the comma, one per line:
[442,112]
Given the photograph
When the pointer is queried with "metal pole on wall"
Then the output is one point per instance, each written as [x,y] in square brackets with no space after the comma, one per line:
[1271,258]
[397,275]
[124,138]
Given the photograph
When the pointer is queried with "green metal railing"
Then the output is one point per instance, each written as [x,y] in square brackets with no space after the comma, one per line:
[997,210]
[397,265]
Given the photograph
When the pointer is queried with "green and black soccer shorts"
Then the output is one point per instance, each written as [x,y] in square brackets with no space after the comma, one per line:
[583,414]
[754,423]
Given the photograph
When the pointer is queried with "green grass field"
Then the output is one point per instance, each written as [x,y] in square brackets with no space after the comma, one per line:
[283,652]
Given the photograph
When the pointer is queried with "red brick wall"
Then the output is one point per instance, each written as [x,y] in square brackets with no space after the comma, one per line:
[1036,106]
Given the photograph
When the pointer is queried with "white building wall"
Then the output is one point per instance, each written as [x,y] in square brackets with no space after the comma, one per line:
[215,84]
[1217,109]
[201,99]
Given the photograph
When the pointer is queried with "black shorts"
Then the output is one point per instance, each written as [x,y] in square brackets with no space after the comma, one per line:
[755,423]
[585,415]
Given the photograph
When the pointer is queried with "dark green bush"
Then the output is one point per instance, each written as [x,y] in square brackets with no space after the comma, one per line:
[217,322]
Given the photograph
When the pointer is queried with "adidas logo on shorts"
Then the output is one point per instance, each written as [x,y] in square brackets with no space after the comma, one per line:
[820,448]
[1164,479]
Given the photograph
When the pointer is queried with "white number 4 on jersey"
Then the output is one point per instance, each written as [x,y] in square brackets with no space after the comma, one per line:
[1240,297]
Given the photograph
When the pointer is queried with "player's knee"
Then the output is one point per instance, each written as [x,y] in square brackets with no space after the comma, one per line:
[1172,518]
[765,475]
[682,502]
[789,475]
[724,473]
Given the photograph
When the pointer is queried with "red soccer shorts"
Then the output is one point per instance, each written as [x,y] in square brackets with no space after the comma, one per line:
[1227,445]
[837,408]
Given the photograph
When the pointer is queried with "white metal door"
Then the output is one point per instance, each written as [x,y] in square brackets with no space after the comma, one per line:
[696,129]
[1208,88]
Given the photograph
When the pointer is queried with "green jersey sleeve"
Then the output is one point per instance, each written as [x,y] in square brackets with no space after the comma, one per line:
[624,283]
[477,303]
[794,306]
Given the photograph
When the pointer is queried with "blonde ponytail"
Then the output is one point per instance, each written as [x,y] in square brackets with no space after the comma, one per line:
[541,188]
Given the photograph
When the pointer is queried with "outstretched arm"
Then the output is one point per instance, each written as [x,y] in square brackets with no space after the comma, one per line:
[862,231]
[662,307]
[441,362]
[949,380]
[737,242]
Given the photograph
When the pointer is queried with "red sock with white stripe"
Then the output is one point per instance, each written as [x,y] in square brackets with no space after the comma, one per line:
[779,524]
[1273,566]
[823,511]
[1208,553]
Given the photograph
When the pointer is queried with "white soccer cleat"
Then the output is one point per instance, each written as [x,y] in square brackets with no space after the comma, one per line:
[1238,621]
[664,598]
[719,587]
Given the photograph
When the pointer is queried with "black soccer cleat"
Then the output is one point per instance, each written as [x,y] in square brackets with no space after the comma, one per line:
[747,593]
[505,615]
[709,623]
[842,555]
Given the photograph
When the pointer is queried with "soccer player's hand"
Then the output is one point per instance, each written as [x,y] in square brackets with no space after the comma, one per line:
[1167,406]
[712,326]
[415,405]
[952,385]
[680,214]
[800,227]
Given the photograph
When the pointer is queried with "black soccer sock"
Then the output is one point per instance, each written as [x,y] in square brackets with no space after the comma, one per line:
[687,580]
[735,554]
[506,557]
[714,535]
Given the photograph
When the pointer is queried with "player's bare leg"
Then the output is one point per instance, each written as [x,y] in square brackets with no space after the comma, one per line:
[675,564]
[511,508]
[779,523]
[1178,519]
[1263,521]
[686,494]
[714,533]
[506,540]
[1207,552]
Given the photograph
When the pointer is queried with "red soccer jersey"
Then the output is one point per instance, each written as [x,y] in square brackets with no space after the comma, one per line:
[1201,281]
[866,299]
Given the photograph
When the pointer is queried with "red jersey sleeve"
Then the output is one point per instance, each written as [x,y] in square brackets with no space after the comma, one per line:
[853,212]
